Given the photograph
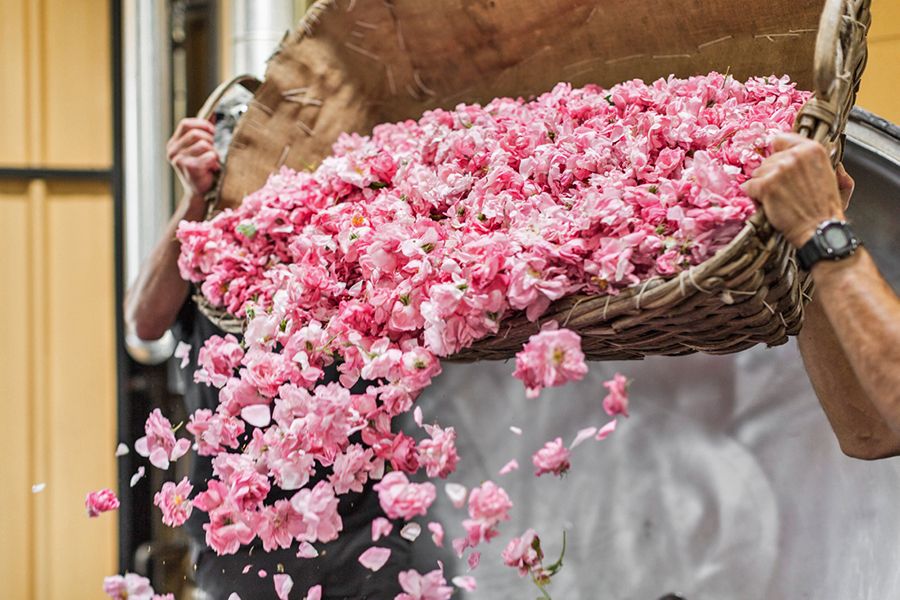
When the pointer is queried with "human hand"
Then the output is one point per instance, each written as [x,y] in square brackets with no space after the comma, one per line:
[191,153]
[798,188]
[846,185]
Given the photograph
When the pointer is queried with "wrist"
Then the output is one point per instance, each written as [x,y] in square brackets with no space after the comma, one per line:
[798,236]
[827,272]
[192,207]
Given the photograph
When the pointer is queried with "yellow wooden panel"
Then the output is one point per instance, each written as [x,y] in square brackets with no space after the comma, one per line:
[15,397]
[78,114]
[885,20]
[13,149]
[881,81]
[79,419]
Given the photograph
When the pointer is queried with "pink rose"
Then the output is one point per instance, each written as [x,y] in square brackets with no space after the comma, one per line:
[550,358]
[616,402]
[552,458]
[101,501]
[159,444]
[174,502]
[401,499]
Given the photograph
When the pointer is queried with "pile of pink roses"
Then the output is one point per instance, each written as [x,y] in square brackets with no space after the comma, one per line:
[407,245]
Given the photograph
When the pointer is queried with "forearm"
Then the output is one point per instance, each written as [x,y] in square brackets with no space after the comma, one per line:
[865,316]
[154,299]
[858,426]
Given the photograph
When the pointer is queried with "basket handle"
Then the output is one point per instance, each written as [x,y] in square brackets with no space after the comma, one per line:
[209,107]
[206,112]
[839,60]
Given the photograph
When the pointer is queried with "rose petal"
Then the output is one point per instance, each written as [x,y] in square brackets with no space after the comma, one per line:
[159,459]
[381,527]
[374,558]
[509,467]
[180,449]
[283,585]
[465,582]
[437,533]
[582,435]
[262,573]
[140,446]
[38,488]
[515,430]
[417,415]
[307,550]
[234,596]
[122,450]
[138,475]
[183,351]
[411,531]
[246,569]
[459,546]
[474,560]
[314,593]
[606,430]
[457,494]
[258,415]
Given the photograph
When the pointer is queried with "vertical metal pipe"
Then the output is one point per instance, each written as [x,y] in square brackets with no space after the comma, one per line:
[146,124]
[257,28]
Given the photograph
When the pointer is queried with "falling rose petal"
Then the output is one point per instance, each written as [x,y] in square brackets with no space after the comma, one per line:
[457,494]
[183,351]
[159,459]
[381,527]
[314,593]
[465,582]
[246,569]
[417,415]
[582,435]
[411,531]
[474,560]
[374,558]
[262,573]
[258,415]
[138,475]
[307,550]
[122,450]
[459,546]
[437,533]
[509,467]
[38,488]
[606,430]
[515,430]
[234,596]
[100,501]
[283,585]
[180,449]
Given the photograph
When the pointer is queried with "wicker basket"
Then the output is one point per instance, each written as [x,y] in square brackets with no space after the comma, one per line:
[351,64]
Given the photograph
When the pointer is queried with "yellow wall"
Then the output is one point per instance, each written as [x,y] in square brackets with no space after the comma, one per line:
[881,82]
[57,339]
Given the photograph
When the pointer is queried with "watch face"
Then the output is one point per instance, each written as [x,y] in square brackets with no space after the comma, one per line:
[837,238]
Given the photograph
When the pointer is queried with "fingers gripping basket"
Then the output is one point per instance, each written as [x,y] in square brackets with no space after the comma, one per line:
[351,64]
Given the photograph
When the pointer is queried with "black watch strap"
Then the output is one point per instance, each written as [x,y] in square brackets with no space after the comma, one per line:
[809,254]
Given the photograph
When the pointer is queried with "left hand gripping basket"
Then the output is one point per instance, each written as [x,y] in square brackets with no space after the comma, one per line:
[351,64]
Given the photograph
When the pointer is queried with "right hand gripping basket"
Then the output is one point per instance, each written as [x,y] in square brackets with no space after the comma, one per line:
[351,64]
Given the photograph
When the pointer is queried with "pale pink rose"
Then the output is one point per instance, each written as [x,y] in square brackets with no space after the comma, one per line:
[283,585]
[374,558]
[279,525]
[438,454]
[401,499]
[550,358]
[318,507]
[616,402]
[130,587]
[489,505]
[217,360]
[174,502]
[431,586]
[101,501]
[160,444]
[552,458]
[524,553]
[351,469]
[214,432]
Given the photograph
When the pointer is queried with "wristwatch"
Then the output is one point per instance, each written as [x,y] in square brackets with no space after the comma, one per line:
[833,240]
